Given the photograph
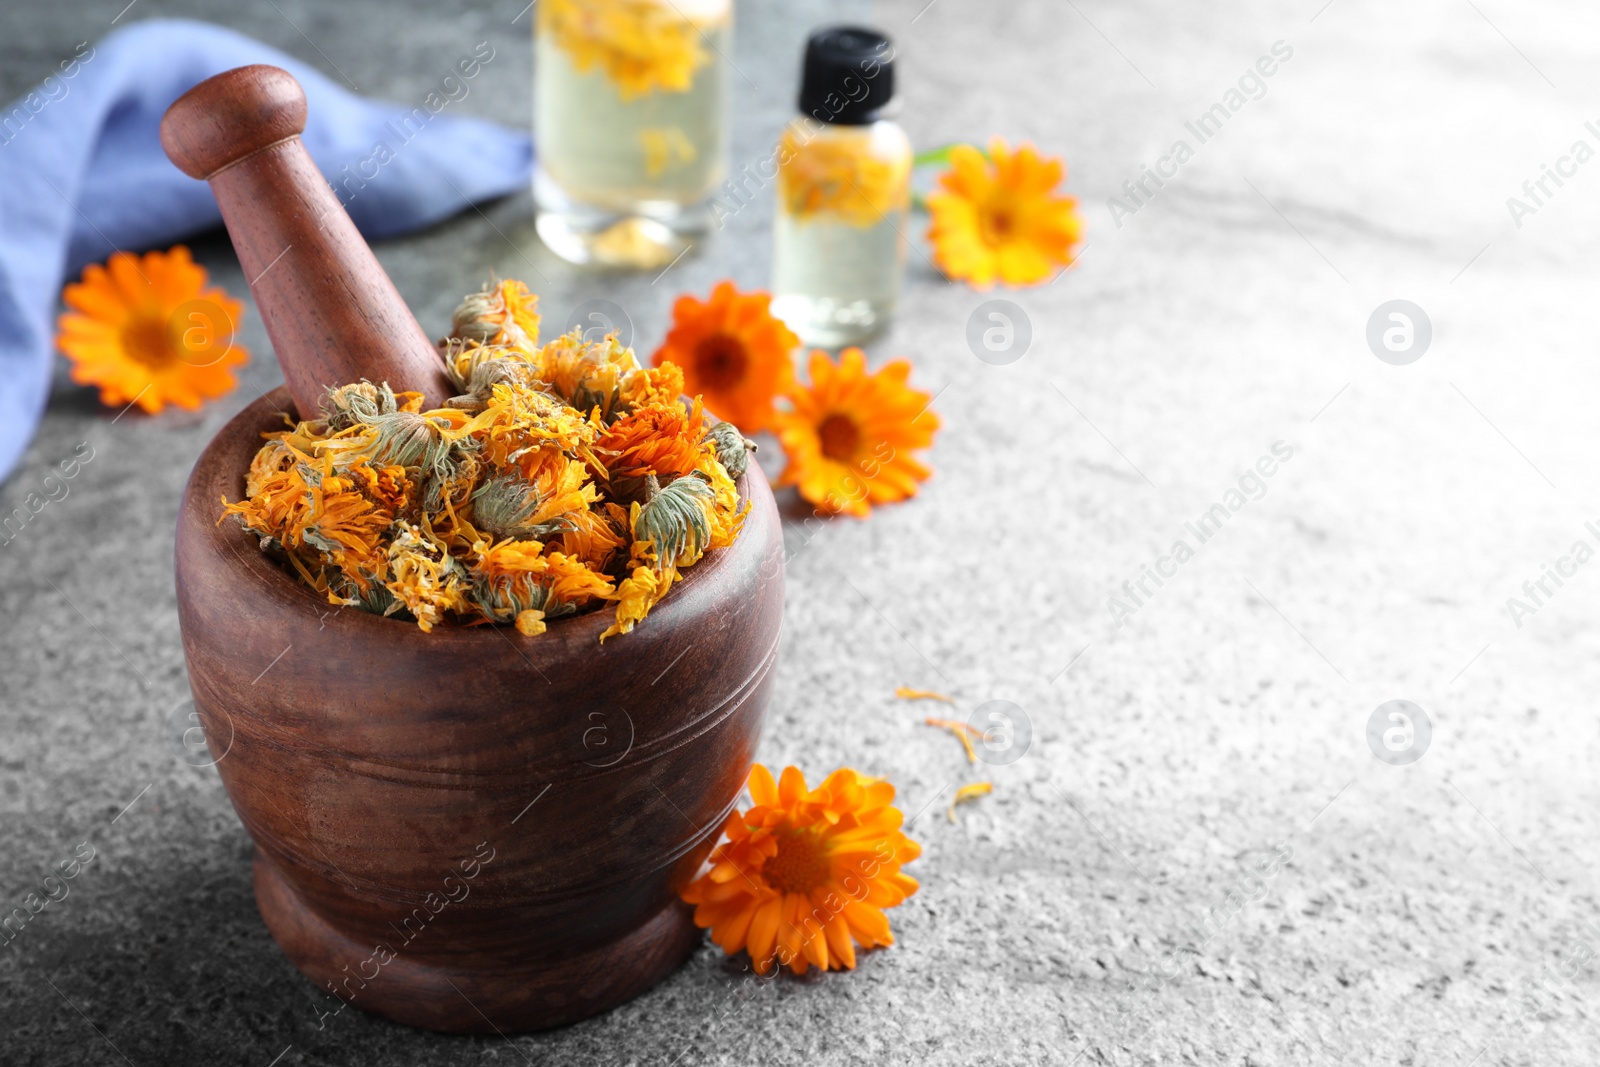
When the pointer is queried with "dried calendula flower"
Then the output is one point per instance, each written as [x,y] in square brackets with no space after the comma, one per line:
[476,369]
[406,439]
[676,521]
[424,576]
[725,514]
[514,506]
[847,175]
[515,577]
[272,460]
[345,405]
[636,595]
[501,314]
[659,438]
[733,448]
[640,46]
[592,376]
[561,479]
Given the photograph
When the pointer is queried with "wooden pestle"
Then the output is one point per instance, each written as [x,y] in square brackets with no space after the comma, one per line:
[331,312]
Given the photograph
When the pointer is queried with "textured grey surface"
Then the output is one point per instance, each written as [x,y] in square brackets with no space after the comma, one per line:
[1103,905]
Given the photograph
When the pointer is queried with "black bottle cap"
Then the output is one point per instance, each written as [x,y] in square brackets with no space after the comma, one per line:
[848,77]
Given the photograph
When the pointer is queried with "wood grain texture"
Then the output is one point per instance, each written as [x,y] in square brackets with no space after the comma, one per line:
[373,764]
[332,313]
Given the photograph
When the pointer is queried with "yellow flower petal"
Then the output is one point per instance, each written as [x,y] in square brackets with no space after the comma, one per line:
[906,693]
[969,792]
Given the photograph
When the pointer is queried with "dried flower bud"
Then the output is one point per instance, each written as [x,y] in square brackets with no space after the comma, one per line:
[733,449]
[407,439]
[472,319]
[675,521]
[505,505]
[344,406]
[498,314]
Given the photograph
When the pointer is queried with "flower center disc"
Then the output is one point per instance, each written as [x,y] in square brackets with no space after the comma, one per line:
[840,437]
[800,866]
[147,341]
[997,225]
[720,362]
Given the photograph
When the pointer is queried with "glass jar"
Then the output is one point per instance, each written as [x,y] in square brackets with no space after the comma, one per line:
[844,194]
[631,126]
[839,247]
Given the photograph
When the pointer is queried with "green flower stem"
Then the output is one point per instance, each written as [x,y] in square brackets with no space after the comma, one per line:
[941,156]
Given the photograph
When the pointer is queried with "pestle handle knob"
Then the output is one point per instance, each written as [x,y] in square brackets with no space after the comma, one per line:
[331,312]
[231,117]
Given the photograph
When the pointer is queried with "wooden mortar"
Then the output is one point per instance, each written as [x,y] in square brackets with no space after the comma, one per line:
[468,830]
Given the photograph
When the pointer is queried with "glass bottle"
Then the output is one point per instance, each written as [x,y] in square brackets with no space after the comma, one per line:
[844,193]
[631,126]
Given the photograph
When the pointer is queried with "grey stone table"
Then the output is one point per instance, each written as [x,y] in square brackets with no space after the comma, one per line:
[1200,858]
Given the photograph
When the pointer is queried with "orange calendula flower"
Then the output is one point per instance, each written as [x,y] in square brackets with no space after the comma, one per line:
[734,352]
[147,330]
[999,218]
[804,875]
[850,435]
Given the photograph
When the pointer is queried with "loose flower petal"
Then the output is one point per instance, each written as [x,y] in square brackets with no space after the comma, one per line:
[963,732]
[969,792]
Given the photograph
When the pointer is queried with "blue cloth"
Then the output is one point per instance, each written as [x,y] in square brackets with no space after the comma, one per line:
[82,174]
